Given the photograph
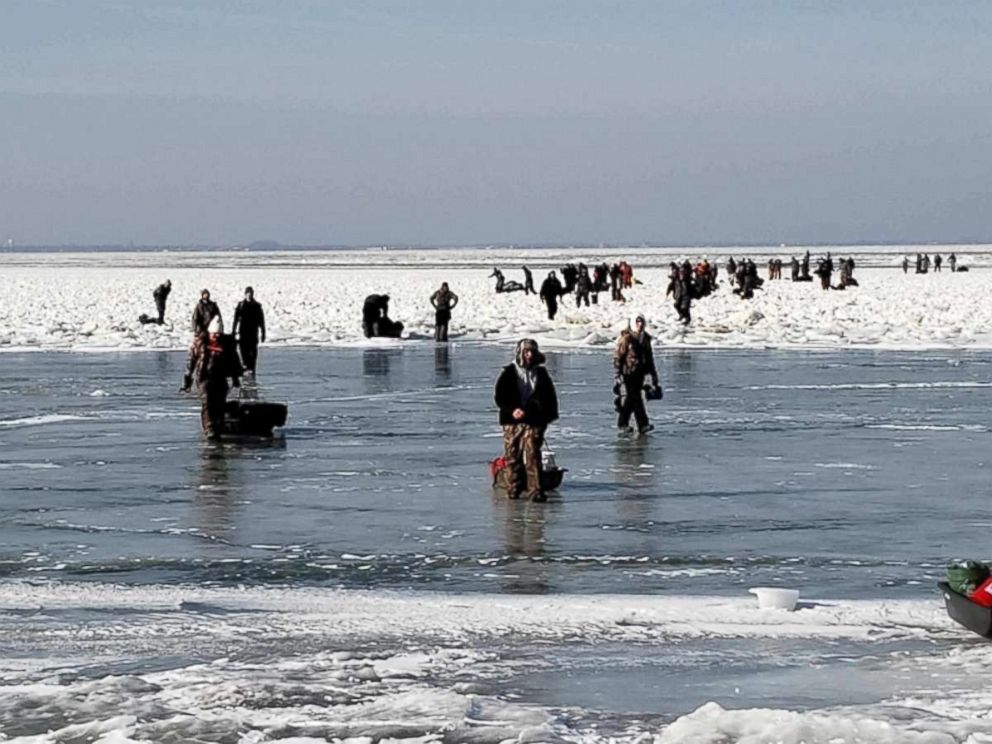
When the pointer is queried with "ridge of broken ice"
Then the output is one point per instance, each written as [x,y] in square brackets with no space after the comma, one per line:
[92,302]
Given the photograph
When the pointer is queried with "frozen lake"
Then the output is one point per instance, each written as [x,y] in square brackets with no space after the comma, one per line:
[142,566]
[853,474]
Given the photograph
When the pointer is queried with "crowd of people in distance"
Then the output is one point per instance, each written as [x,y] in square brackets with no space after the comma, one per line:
[923,263]
[525,394]
[688,281]
[576,279]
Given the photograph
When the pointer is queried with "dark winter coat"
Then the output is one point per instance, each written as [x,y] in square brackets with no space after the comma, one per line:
[249,317]
[634,356]
[542,407]
[161,293]
[203,313]
[551,290]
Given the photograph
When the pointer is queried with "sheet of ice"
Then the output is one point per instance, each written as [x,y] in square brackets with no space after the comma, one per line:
[314,665]
[92,301]
[562,616]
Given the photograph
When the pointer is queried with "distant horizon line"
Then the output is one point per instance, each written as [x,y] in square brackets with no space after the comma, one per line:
[261,246]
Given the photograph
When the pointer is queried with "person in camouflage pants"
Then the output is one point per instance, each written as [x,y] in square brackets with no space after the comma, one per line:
[212,360]
[527,403]
[522,446]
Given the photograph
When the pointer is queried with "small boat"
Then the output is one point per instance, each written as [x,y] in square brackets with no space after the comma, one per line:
[253,418]
[962,610]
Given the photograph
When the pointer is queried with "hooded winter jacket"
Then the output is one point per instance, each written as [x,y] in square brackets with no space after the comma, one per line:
[530,389]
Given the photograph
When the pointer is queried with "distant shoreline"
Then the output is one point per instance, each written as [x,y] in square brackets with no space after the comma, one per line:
[881,246]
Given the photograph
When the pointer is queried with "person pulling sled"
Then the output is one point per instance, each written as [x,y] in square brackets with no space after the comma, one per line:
[528,403]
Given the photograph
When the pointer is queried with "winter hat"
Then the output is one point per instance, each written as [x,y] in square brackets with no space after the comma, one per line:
[636,317]
[527,343]
[216,325]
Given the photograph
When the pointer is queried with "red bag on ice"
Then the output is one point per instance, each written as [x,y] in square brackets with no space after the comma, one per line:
[983,594]
[495,466]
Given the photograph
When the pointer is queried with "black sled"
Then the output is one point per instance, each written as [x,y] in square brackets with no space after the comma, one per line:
[145,319]
[252,418]
[963,611]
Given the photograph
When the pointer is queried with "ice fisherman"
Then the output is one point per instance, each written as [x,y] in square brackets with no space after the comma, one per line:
[376,320]
[551,290]
[528,282]
[212,360]
[633,362]
[205,311]
[528,403]
[444,301]
[161,294]
[249,323]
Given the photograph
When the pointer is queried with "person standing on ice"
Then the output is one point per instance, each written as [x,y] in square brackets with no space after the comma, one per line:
[161,294]
[211,362]
[205,311]
[528,403]
[249,321]
[528,282]
[682,290]
[633,362]
[952,261]
[583,285]
[444,301]
[551,290]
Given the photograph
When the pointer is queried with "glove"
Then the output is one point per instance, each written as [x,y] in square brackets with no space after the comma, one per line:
[187,384]
[653,392]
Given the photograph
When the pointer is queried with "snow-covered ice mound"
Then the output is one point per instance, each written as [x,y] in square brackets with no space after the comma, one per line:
[92,302]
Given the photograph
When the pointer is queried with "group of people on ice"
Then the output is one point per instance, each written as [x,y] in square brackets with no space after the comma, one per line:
[528,403]
[923,263]
[575,279]
[377,323]
[215,357]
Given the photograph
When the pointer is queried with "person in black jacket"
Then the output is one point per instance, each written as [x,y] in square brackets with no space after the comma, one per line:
[528,282]
[161,294]
[249,320]
[376,320]
[527,402]
[551,290]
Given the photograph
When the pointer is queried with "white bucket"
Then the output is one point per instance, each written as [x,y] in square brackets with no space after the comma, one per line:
[770,598]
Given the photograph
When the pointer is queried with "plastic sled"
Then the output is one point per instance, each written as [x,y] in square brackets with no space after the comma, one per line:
[963,611]
[510,286]
[253,418]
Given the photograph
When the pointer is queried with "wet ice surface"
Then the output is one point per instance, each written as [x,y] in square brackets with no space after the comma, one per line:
[853,476]
[821,470]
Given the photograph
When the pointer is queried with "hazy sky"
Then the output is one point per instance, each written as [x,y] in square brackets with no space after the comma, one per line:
[335,122]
